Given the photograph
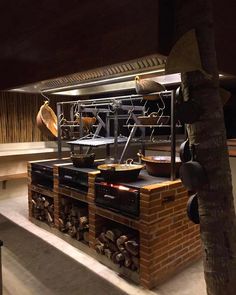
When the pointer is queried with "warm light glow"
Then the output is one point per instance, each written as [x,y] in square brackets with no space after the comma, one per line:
[123,188]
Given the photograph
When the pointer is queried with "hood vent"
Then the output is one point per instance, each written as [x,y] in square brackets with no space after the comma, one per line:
[152,64]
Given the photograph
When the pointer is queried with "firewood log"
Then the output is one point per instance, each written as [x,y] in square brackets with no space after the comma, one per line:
[102,238]
[112,246]
[83,220]
[68,225]
[121,242]
[46,204]
[132,247]
[72,231]
[99,249]
[119,257]
[128,261]
[114,257]
[51,208]
[111,235]
[108,253]
[98,242]
[49,217]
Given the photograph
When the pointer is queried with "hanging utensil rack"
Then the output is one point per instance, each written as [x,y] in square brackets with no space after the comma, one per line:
[109,107]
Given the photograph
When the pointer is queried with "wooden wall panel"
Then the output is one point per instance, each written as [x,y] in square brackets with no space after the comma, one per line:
[18,117]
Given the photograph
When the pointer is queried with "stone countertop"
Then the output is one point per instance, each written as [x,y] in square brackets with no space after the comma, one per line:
[167,148]
[29,148]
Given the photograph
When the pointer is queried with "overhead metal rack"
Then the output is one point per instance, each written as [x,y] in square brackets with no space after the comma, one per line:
[109,106]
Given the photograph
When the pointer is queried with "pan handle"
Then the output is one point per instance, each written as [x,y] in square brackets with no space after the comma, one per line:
[140,155]
[129,161]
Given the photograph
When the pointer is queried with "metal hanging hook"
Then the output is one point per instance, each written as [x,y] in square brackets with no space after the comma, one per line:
[47,98]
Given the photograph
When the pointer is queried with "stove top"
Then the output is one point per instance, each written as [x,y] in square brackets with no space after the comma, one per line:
[143,179]
[49,164]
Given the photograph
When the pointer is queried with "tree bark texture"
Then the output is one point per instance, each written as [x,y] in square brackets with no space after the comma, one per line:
[216,207]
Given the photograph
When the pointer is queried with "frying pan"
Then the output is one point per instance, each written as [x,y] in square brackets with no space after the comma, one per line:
[192,209]
[192,174]
[184,151]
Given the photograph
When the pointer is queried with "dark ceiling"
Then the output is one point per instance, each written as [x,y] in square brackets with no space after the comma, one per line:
[46,39]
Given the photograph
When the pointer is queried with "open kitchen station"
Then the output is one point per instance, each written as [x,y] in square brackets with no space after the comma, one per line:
[117,148]
[129,213]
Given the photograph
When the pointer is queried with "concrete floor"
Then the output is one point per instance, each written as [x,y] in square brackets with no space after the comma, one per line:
[37,262]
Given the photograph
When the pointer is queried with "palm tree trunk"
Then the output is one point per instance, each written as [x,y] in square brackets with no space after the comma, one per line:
[216,207]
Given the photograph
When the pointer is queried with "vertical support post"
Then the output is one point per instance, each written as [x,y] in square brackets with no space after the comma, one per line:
[108,152]
[173,135]
[59,130]
[80,127]
[116,125]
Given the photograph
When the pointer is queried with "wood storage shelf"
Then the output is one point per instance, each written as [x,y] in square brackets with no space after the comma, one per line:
[167,240]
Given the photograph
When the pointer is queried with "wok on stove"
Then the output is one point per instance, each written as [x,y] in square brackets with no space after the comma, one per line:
[120,172]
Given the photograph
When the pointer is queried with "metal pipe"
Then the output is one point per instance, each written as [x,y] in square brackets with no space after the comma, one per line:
[80,128]
[59,131]
[116,124]
[127,143]
[173,143]
[111,99]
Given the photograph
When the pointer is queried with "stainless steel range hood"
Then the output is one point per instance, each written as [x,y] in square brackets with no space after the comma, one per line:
[117,77]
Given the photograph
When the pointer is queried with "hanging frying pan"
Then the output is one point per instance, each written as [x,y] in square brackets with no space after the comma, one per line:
[192,174]
[192,209]
[184,151]
[46,120]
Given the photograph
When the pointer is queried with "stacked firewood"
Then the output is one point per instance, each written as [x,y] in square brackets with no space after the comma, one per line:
[74,220]
[121,248]
[43,208]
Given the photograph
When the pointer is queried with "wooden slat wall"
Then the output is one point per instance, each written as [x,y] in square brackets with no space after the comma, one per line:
[18,113]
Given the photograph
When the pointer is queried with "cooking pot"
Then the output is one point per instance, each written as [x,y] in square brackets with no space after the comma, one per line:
[159,165]
[82,160]
[153,119]
[120,172]
[46,120]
